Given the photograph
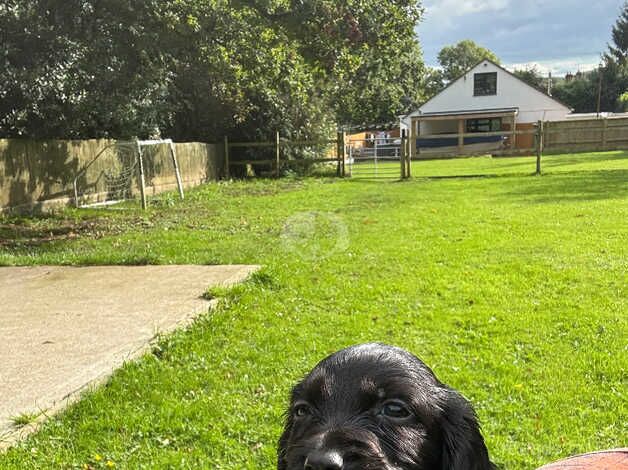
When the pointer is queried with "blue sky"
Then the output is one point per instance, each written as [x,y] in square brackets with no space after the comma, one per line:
[556,35]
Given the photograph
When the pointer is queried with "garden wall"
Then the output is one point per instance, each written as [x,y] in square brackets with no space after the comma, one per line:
[39,175]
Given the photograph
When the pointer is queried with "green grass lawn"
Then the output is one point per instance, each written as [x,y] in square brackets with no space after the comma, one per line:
[487,166]
[513,289]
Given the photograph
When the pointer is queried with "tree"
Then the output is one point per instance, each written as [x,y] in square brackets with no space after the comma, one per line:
[433,82]
[198,70]
[369,96]
[457,59]
[76,68]
[579,93]
[619,49]
[614,84]
[532,76]
[612,74]
[623,101]
[615,69]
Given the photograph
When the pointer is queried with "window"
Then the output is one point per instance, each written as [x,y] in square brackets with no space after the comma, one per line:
[484,125]
[485,84]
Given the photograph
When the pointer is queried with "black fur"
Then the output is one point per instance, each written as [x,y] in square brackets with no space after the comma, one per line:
[377,407]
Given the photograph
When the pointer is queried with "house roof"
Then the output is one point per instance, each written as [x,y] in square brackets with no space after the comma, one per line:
[499,67]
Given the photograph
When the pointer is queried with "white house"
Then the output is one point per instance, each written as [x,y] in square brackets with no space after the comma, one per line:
[486,99]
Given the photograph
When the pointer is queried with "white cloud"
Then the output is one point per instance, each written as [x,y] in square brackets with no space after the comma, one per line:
[560,67]
[447,8]
[558,35]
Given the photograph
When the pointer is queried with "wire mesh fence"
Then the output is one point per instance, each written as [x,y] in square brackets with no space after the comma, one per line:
[375,158]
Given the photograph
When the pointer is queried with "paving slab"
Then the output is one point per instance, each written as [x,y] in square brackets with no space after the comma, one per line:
[63,329]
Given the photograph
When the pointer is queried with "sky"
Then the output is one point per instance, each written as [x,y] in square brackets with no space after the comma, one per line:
[555,35]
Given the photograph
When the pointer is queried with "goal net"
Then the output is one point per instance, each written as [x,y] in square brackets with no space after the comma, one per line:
[127,170]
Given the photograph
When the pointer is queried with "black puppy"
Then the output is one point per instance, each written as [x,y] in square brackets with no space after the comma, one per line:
[377,407]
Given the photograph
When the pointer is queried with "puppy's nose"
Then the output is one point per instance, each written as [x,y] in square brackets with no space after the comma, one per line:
[323,460]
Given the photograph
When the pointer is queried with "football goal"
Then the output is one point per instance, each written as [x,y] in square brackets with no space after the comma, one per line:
[125,170]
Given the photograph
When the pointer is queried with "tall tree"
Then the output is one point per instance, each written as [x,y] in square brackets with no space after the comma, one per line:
[612,75]
[619,49]
[457,59]
[580,93]
[202,69]
[433,82]
[615,70]
[532,76]
[80,68]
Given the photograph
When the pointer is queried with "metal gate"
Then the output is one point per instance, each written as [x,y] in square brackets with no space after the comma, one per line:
[375,158]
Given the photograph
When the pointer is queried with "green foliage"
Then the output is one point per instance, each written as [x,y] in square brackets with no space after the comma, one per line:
[580,93]
[616,64]
[433,82]
[91,72]
[369,96]
[198,70]
[619,49]
[623,101]
[532,76]
[79,68]
[457,59]
[24,419]
[612,76]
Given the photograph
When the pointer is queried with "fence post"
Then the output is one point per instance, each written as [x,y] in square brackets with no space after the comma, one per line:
[338,153]
[539,146]
[227,174]
[277,154]
[142,180]
[403,149]
[412,146]
[604,137]
[173,155]
[350,158]
[343,152]
[461,129]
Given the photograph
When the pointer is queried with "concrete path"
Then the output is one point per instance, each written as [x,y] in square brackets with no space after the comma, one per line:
[64,328]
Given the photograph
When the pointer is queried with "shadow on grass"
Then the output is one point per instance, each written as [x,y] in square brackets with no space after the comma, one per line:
[16,234]
[521,165]
[477,176]
[551,160]
[572,186]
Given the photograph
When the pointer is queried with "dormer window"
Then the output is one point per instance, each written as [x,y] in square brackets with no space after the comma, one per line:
[485,84]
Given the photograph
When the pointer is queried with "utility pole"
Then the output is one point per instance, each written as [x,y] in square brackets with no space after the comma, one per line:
[549,84]
[599,90]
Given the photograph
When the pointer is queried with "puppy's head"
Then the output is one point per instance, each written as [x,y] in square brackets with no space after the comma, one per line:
[376,407]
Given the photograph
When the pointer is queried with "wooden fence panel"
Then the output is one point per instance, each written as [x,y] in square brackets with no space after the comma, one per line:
[587,135]
[39,174]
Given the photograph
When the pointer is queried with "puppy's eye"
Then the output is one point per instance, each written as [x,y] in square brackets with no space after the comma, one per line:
[395,410]
[302,410]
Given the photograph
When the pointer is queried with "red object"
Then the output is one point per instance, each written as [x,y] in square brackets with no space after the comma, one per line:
[605,460]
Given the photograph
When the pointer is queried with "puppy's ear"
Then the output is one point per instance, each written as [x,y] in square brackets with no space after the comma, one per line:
[463,444]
